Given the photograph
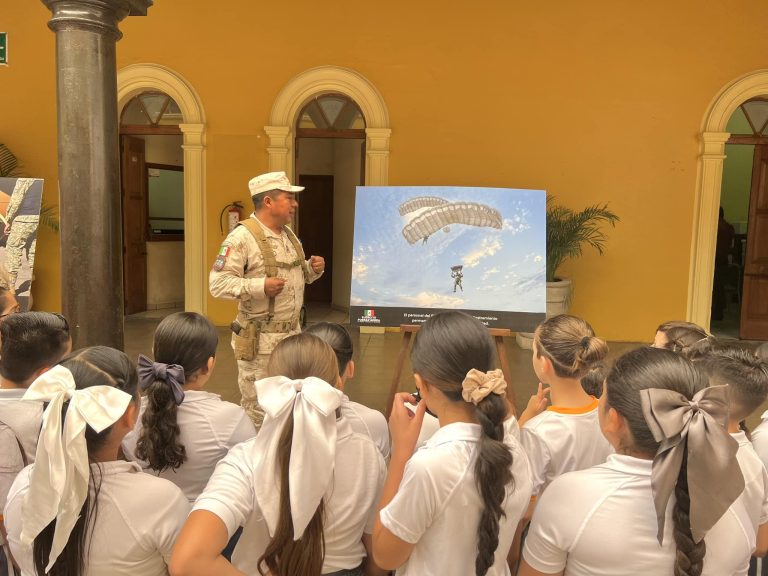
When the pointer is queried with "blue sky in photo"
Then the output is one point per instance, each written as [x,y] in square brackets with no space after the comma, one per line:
[504,270]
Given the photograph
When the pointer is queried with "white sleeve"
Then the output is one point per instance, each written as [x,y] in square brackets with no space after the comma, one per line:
[170,511]
[380,434]
[764,507]
[12,517]
[229,493]
[552,532]
[375,504]
[412,510]
[538,456]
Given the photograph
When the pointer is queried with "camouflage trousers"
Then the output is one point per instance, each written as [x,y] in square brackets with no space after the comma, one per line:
[248,371]
[21,235]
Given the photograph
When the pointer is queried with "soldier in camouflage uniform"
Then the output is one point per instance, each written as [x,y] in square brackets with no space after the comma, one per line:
[262,265]
[22,219]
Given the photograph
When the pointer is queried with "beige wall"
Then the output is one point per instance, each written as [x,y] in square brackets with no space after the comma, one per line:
[163,150]
[165,275]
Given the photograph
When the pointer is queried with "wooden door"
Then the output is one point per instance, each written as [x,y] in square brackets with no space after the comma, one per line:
[316,231]
[133,174]
[754,305]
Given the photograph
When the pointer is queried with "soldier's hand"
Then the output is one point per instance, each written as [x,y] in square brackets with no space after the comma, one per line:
[317,263]
[273,286]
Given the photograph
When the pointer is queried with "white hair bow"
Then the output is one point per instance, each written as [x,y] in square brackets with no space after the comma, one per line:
[313,403]
[58,483]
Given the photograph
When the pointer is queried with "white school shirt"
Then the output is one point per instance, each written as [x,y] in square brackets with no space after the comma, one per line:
[209,427]
[562,440]
[367,421]
[22,420]
[438,506]
[139,517]
[760,439]
[755,495]
[430,425]
[602,522]
[350,503]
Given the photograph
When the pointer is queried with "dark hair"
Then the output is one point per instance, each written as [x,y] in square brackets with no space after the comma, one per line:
[258,199]
[745,374]
[95,366]
[298,356]
[570,344]
[659,368]
[30,341]
[188,339]
[682,335]
[592,381]
[445,349]
[338,338]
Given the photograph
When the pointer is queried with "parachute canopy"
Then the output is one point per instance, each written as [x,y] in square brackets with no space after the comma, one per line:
[442,213]
[420,202]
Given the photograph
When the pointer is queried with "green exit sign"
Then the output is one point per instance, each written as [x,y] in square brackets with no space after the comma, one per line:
[3,47]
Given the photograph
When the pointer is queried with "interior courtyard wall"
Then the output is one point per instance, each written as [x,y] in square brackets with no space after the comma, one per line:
[594,102]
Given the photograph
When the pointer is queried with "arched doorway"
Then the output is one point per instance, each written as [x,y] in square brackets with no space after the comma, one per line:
[140,78]
[346,94]
[714,138]
[152,183]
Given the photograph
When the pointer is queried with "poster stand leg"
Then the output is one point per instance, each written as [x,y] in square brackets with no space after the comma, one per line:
[407,330]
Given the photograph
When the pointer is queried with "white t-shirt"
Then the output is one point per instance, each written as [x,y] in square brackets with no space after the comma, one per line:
[755,495]
[602,522]
[430,425]
[760,439]
[367,421]
[350,503]
[22,421]
[561,440]
[209,427]
[438,506]
[139,517]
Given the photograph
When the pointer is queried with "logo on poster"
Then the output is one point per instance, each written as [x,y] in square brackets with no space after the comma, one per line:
[369,317]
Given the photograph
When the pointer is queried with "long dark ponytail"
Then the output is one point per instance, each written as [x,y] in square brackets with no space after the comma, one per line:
[298,356]
[659,368]
[95,366]
[445,349]
[189,340]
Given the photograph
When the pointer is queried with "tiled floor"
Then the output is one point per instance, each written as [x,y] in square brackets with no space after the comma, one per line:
[375,357]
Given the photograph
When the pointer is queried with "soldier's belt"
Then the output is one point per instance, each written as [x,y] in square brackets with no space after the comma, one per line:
[253,327]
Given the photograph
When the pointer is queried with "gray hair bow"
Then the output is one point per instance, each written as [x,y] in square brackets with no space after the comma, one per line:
[696,427]
[171,374]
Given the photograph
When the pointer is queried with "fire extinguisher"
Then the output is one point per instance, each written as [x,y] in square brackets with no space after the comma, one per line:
[234,215]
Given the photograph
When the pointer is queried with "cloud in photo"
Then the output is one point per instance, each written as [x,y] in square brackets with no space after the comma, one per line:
[488,248]
[433,300]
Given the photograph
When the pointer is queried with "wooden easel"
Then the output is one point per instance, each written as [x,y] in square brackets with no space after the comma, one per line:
[409,329]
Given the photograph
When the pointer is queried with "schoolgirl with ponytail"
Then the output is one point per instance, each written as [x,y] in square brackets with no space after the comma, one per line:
[566,436]
[620,518]
[305,488]
[79,510]
[452,507]
[183,431]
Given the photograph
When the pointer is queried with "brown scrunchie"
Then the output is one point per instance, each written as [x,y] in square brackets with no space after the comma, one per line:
[477,385]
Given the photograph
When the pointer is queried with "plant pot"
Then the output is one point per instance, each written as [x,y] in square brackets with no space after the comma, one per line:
[558,302]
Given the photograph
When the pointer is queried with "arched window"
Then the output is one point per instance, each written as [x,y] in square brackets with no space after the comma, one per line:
[331,116]
[151,113]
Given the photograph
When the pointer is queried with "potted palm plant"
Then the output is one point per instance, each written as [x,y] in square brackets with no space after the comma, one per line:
[567,232]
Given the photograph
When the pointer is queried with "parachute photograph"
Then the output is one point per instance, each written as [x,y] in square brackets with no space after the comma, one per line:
[418,250]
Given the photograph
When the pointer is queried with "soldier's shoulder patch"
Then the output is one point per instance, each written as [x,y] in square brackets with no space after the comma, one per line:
[221,258]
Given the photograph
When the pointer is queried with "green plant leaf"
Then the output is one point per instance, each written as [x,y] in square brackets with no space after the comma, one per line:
[567,231]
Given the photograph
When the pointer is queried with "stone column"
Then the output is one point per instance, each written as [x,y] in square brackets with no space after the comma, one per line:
[89,165]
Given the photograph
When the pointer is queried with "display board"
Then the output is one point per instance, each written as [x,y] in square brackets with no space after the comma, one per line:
[419,250]
[20,200]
